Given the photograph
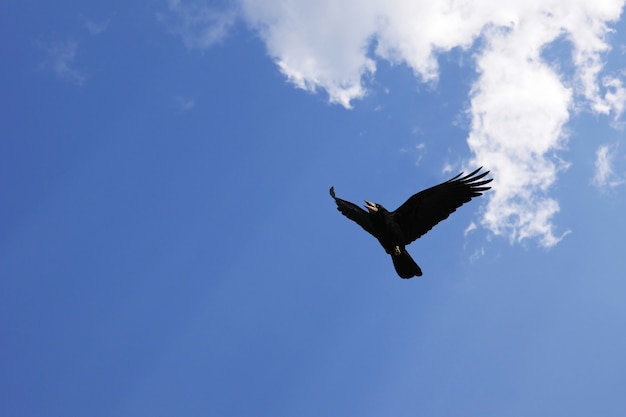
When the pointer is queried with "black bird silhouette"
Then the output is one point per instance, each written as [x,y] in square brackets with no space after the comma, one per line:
[420,213]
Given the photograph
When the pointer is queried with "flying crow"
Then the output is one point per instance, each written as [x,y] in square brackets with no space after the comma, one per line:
[420,213]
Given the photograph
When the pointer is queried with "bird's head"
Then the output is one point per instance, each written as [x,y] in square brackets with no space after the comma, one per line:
[374,208]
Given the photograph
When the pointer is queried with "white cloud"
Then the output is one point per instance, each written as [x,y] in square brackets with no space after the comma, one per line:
[519,103]
[519,107]
[605,176]
[198,24]
[60,60]
[318,44]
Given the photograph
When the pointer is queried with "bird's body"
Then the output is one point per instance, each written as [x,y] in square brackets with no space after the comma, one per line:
[420,213]
[390,235]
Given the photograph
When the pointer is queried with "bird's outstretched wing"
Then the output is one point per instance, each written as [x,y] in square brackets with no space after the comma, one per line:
[424,210]
[353,212]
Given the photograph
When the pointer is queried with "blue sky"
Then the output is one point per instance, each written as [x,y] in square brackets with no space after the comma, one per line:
[168,246]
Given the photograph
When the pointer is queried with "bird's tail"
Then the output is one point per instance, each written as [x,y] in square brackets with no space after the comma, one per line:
[405,265]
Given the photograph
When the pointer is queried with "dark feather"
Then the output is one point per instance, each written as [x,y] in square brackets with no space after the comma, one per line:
[420,213]
[353,212]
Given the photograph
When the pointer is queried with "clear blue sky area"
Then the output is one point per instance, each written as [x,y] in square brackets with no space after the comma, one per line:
[168,246]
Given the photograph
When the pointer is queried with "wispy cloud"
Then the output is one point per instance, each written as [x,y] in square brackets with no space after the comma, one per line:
[614,99]
[519,104]
[477,254]
[605,176]
[472,226]
[96,27]
[421,150]
[60,60]
[185,104]
[198,24]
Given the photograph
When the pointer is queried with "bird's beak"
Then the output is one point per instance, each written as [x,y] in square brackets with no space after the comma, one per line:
[371,206]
